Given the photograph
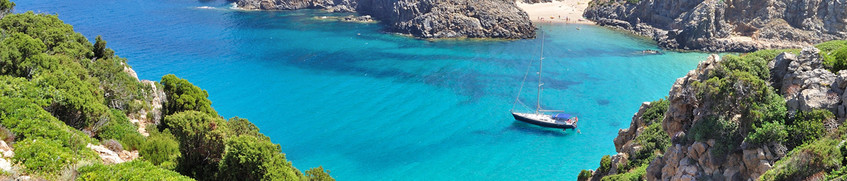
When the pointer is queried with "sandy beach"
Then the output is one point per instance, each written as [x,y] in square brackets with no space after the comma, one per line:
[565,11]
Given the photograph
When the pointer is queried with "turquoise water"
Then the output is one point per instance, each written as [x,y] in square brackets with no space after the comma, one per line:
[370,105]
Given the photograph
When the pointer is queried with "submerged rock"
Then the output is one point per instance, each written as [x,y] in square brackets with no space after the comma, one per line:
[424,18]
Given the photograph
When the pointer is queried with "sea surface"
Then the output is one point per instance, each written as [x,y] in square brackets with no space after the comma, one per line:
[371,105]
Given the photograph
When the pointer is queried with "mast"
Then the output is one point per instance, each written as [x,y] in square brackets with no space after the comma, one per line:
[540,63]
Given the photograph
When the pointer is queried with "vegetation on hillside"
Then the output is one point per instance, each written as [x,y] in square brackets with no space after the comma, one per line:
[834,54]
[739,86]
[59,93]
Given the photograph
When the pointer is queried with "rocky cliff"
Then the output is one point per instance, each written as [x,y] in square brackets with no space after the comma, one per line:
[726,25]
[705,148]
[425,18]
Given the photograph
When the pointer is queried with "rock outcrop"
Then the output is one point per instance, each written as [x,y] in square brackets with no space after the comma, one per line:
[726,25]
[806,84]
[800,79]
[111,157]
[625,143]
[424,18]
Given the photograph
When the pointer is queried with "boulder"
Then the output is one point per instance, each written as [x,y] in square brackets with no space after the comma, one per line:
[806,84]
[424,18]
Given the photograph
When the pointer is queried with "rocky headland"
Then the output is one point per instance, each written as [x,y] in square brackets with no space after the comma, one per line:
[726,25]
[424,18]
[709,123]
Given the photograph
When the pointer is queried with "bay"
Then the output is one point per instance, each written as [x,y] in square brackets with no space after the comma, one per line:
[371,105]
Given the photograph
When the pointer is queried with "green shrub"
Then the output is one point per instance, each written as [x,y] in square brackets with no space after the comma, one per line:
[652,139]
[806,160]
[43,157]
[769,133]
[134,170]
[121,129]
[100,50]
[201,140]
[250,158]
[836,60]
[240,126]
[656,112]
[318,174]
[28,120]
[807,126]
[832,45]
[16,55]
[6,7]
[583,175]
[184,96]
[605,164]
[634,175]
[726,135]
[161,149]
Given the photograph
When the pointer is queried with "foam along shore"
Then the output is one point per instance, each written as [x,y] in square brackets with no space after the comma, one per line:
[558,11]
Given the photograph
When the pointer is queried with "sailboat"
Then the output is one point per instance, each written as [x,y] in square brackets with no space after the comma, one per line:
[540,117]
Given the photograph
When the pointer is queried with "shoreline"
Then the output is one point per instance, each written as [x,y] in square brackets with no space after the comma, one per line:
[557,12]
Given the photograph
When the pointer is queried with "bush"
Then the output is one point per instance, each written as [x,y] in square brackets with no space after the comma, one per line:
[653,139]
[134,170]
[43,157]
[807,126]
[6,7]
[656,112]
[161,149]
[318,174]
[830,46]
[184,96]
[583,175]
[250,158]
[121,129]
[726,135]
[836,60]
[201,140]
[240,126]
[605,164]
[769,133]
[834,54]
[806,160]
[28,120]
[15,57]
[634,175]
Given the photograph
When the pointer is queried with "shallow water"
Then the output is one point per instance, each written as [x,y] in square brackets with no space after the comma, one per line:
[370,105]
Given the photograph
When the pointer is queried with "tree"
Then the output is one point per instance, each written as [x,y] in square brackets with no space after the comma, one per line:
[16,54]
[201,141]
[100,50]
[183,96]
[250,158]
[161,149]
[318,174]
[6,7]
[240,126]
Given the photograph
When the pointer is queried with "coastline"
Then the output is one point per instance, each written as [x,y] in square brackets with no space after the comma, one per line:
[557,12]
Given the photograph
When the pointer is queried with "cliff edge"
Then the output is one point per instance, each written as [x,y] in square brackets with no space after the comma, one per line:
[726,25]
[424,18]
[767,115]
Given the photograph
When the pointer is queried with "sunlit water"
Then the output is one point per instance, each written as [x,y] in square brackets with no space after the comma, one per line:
[370,105]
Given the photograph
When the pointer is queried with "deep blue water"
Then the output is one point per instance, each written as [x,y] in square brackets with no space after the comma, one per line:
[370,105]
